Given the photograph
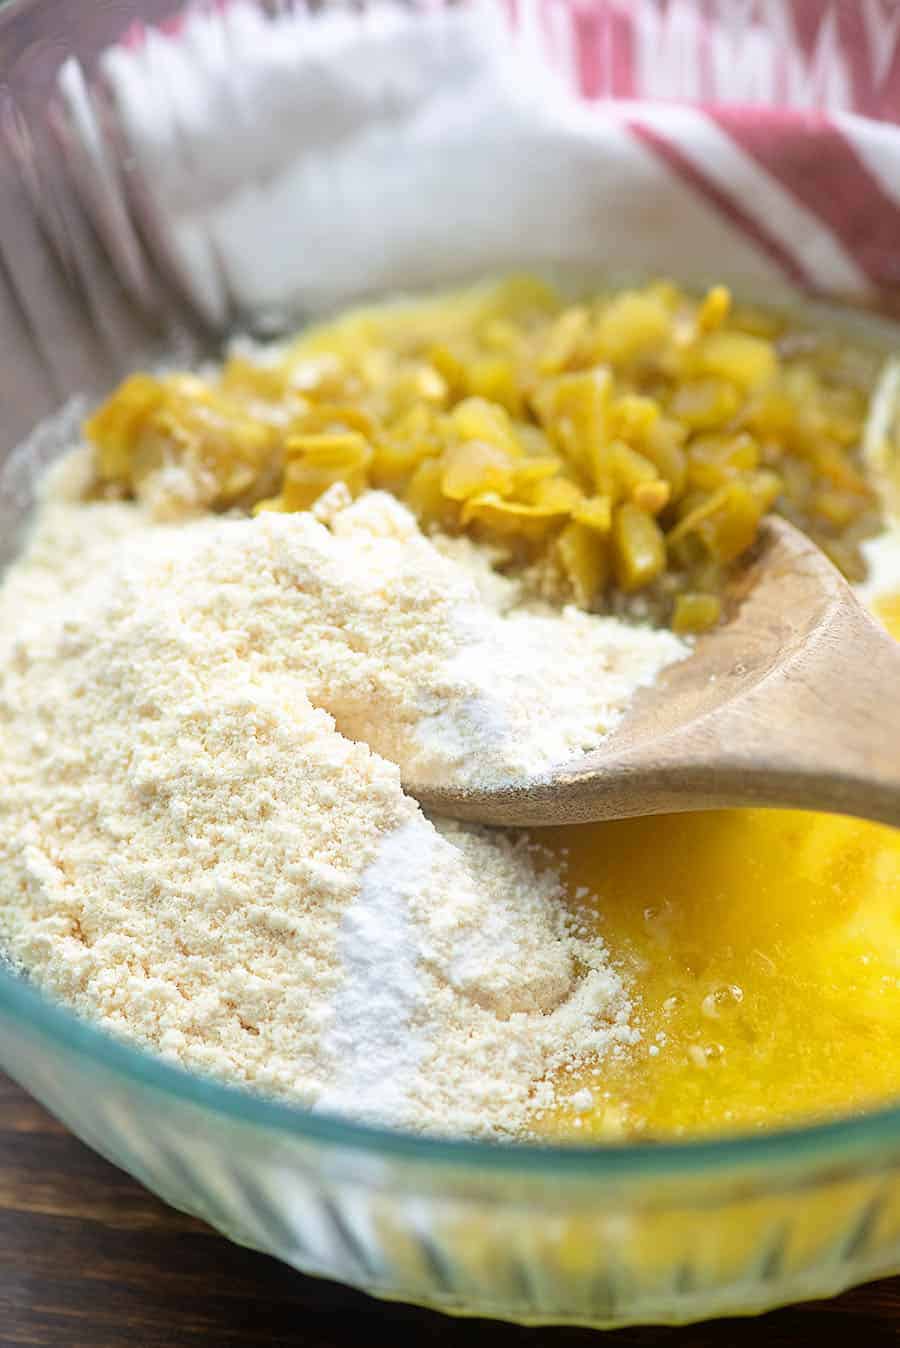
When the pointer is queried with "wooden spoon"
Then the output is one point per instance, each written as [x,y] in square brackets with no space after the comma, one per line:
[794,700]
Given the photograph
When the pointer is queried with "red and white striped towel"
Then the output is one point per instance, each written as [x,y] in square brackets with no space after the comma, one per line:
[294,162]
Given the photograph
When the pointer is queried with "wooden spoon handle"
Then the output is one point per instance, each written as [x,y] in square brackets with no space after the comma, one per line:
[823,733]
[793,701]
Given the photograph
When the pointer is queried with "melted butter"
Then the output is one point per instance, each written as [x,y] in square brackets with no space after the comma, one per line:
[764,948]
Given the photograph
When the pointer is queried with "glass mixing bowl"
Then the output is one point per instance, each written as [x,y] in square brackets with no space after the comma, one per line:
[107,261]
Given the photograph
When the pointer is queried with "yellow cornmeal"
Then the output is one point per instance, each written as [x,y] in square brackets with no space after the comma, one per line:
[766,947]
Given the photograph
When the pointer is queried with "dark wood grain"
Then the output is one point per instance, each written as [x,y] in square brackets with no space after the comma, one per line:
[88,1259]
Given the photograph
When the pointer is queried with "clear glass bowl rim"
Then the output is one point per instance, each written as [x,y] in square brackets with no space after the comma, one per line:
[826,1141]
[817,1142]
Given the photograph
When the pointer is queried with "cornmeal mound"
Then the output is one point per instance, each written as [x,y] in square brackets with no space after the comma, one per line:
[198,850]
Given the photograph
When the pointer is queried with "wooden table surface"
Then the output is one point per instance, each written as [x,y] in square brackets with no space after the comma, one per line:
[89,1259]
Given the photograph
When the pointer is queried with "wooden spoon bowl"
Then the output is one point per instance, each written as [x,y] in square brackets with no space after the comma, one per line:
[794,700]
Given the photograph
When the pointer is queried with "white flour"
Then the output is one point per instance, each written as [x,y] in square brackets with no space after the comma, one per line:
[371,1039]
[200,857]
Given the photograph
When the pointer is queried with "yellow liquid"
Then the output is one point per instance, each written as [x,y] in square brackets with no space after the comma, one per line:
[764,947]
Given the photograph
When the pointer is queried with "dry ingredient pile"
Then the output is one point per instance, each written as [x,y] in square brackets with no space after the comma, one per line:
[262,599]
[202,823]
